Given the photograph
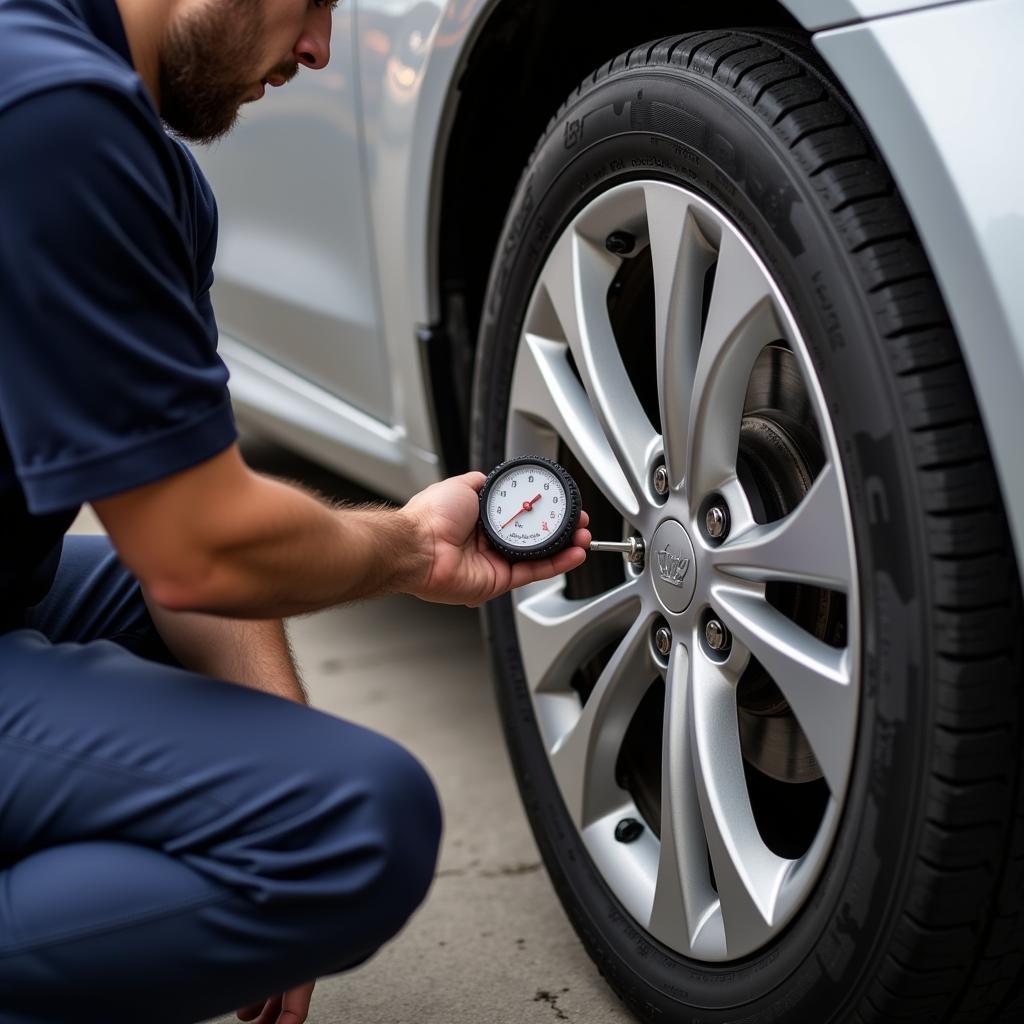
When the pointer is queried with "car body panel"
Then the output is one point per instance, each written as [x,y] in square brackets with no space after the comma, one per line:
[951,136]
[285,286]
[296,282]
[818,14]
[312,420]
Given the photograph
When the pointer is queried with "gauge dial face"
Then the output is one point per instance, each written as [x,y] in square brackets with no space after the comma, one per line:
[527,506]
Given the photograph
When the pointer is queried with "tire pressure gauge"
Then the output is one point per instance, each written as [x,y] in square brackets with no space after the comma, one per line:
[529,508]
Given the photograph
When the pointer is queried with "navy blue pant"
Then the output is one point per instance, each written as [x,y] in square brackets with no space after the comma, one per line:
[173,847]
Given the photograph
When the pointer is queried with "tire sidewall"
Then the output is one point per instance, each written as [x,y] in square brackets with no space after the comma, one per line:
[725,153]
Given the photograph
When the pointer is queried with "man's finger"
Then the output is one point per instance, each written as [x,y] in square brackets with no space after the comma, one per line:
[295,1007]
[270,1011]
[250,1012]
[531,572]
[474,478]
[264,1012]
[582,538]
[567,560]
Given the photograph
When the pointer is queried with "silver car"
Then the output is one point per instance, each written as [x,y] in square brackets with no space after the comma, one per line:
[753,273]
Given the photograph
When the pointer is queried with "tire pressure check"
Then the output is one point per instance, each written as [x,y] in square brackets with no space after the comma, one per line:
[530,507]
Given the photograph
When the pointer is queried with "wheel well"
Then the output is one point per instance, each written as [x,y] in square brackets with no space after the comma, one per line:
[529,56]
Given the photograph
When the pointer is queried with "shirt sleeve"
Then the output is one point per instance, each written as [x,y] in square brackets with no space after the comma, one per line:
[109,374]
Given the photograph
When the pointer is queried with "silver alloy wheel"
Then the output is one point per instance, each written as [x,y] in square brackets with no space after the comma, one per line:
[710,887]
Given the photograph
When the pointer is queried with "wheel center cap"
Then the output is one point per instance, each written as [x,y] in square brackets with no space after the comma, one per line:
[673,565]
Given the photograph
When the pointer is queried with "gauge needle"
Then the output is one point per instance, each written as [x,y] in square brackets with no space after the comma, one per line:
[527,505]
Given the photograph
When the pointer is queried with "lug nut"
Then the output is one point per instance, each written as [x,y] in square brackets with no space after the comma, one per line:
[621,243]
[716,635]
[716,522]
[628,830]
[663,639]
[661,480]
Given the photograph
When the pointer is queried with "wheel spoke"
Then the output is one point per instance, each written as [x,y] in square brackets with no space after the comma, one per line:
[741,320]
[546,389]
[577,277]
[814,677]
[557,634]
[680,258]
[748,876]
[584,758]
[810,545]
[685,914]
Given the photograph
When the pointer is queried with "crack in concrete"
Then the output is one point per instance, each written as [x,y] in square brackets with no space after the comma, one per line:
[507,870]
[551,998]
[502,871]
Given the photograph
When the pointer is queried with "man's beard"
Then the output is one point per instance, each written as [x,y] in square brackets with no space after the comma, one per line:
[202,62]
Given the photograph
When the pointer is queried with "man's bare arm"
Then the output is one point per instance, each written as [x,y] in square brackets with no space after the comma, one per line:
[220,538]
[223,539]
[253,652]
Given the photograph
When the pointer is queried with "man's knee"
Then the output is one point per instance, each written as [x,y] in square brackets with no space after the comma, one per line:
[408,816]
[376,853]
[369,833]
[341,828]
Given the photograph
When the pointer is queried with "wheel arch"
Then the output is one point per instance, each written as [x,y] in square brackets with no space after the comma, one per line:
[476,169]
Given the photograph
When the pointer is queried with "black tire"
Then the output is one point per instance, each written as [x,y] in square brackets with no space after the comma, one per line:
[917,915]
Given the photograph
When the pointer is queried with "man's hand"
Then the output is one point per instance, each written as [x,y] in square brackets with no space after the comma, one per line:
[290,1008]
[456,564]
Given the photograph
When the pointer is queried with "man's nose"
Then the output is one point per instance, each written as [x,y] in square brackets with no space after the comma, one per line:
[313,47]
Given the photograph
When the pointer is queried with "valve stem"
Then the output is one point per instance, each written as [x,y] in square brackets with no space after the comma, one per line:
[633,548]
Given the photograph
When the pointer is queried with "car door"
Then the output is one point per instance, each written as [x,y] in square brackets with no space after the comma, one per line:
[293,272]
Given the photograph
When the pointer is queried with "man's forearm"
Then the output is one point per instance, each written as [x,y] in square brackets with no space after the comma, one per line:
[305,554]
[253,652]
[220,539]
[224,540]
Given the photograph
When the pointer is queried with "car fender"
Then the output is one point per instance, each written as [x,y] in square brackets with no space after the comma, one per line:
[949,131]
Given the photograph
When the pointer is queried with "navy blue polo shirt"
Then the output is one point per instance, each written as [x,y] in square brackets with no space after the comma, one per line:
[109,374]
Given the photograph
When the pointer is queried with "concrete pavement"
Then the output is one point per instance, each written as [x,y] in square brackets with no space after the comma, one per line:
[491,945]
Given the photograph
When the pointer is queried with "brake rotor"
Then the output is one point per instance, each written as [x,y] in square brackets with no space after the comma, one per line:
[780,455]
